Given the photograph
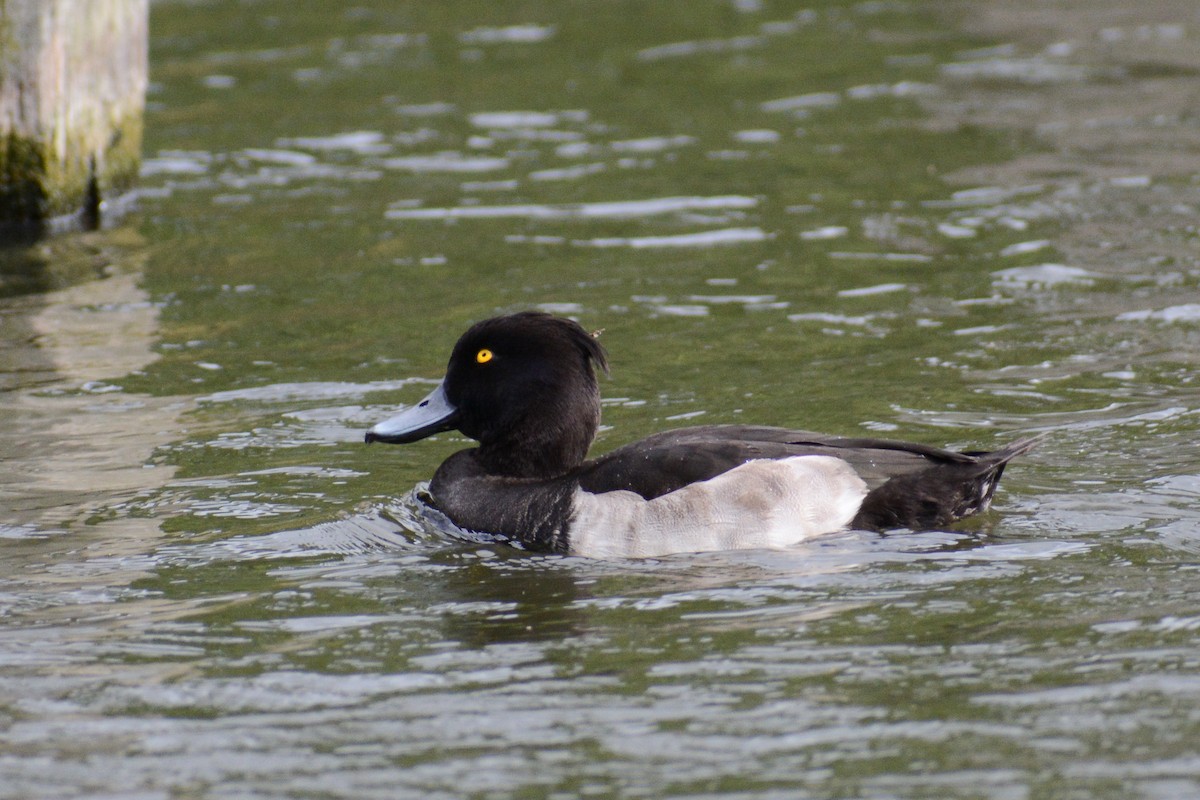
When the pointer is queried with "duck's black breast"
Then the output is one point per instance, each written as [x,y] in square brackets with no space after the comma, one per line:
[531,511]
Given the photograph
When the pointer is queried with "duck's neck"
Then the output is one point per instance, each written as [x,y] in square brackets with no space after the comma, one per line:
[551,445]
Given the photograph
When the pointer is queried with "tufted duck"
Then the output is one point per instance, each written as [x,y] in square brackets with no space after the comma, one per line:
[524,386]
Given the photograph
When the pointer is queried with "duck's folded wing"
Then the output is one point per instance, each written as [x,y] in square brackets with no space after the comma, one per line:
[670,460]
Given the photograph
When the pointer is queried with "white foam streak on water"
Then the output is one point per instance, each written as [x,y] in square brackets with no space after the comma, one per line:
[679,310]
[802,102]
[985,196]
[568,173]
[1021,248]
[287,158]
[901,89]
[363,142]
[831,318]
[510,34]
[1189,312]
[524,119]
[953,231]
[173,165]
[692,48]
[447,162]
[615,209]
[308,390]
[725,236]
[651,144]
[737,299]
[1043,276]
[867,291]
[757,136]
[1023,70]
[914,258]
[827,232]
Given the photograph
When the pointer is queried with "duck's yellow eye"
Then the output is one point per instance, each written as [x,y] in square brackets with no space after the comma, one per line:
[483,356]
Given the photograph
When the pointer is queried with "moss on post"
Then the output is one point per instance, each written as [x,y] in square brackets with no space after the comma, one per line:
[72,95]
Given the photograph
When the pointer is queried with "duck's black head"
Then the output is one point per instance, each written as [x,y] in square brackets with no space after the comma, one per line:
[524,386]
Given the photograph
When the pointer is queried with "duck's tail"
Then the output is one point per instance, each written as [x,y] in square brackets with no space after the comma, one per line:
[942,493]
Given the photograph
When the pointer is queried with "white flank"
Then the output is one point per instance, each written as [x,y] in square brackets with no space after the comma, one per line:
[757,505]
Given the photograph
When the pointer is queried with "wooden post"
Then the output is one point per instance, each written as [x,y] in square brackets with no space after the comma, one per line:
[72,94]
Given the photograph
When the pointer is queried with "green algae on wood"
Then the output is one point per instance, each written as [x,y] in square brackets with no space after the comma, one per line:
[72,94]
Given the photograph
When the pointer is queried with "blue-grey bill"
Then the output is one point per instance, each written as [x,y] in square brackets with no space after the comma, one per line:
[432,415]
